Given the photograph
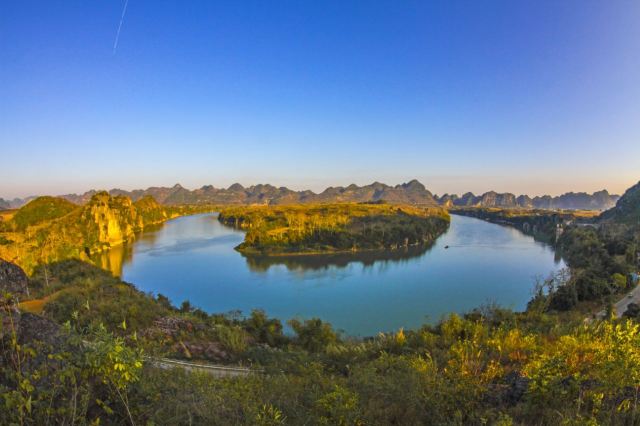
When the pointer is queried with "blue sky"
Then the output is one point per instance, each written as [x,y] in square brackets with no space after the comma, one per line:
[527,97]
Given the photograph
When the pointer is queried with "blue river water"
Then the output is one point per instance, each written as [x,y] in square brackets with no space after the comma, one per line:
[193,258]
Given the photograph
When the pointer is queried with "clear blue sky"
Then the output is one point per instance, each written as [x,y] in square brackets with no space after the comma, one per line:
[521,96]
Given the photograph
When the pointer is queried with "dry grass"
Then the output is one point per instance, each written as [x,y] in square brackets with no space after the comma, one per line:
[36,306]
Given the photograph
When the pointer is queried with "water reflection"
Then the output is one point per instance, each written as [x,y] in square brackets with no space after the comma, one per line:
[113,260]
[316,262]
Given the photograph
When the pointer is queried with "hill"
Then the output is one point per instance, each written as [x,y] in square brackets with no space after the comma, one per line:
[626,210]
[50,229]
[42,209]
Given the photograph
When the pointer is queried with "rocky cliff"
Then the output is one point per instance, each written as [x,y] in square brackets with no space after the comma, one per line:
[626,210]
[103,222]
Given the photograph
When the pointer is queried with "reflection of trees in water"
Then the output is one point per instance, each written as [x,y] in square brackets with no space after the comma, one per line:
[314,262]
[114,259]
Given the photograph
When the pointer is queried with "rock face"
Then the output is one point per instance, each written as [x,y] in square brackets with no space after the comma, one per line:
[13,280]
[39,333]
[179,334]
[58,230]
[34,328]
[113,220]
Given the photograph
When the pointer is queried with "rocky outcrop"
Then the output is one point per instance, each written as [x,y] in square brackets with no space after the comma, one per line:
[13,280]
[35,328]
[626,210]
[42,335]
[110,221]
[180,334]
[509,391]
[210,351]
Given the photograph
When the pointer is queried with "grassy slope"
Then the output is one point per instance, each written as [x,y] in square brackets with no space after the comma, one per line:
[40,210]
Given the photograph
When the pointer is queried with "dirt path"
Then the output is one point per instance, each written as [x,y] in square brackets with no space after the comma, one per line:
[213,369]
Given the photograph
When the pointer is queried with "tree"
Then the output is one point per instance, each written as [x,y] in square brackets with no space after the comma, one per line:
[313,334]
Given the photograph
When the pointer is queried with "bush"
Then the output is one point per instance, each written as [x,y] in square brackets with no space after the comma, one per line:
[313,334]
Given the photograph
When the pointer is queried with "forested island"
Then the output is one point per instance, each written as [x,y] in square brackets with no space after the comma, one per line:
[322,228]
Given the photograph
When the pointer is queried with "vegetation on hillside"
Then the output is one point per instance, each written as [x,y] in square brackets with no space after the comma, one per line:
[490,366]
[50,229]
[40,210]
[627,209]
[334,227]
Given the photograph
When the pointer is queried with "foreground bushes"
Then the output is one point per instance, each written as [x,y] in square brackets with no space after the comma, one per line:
[491,366]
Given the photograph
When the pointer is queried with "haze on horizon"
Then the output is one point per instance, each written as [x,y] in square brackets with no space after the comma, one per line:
[527,97]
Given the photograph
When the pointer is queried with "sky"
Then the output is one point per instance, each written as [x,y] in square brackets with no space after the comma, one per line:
[527,97]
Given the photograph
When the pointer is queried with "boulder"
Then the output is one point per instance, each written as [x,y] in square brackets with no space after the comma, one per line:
[517,386]
[13,280]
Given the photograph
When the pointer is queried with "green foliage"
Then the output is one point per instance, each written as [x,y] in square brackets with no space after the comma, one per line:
[313,334]
[40,210]
[94,296]
[619,281]
[488,367]
[338,407]
[232,337]
[334,227]
[264,329]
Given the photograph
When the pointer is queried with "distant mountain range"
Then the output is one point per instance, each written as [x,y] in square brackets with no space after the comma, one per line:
[412,192]
[600,200]
[627,209]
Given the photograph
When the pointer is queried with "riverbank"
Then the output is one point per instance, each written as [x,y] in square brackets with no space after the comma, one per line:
[543,225]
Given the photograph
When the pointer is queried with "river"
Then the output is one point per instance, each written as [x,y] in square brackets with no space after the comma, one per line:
[192,258]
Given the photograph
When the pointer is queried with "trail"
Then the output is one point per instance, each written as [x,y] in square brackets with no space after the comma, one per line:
[213,369]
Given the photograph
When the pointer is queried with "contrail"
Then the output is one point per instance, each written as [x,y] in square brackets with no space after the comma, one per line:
[124,11]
